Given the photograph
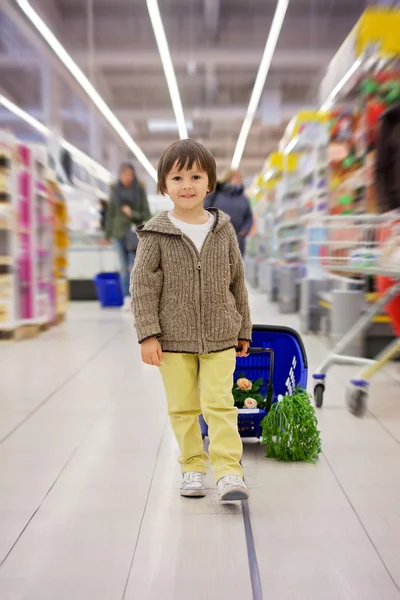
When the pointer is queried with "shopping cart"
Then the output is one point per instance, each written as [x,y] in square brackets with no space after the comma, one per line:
[277,355]
[353,249]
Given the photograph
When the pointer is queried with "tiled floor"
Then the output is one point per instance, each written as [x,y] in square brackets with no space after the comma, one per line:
[89,503]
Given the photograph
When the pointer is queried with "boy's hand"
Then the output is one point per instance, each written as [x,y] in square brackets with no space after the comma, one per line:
[243,347]
[151,352]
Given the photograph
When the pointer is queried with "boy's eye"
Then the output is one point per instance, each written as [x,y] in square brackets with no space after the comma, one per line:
[176,178]
[196,177]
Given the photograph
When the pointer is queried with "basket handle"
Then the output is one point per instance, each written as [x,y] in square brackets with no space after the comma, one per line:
[270,389]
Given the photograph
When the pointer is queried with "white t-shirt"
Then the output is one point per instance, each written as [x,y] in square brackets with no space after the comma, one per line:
[197,233]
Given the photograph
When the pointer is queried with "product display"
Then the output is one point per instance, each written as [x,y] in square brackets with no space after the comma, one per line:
[60,246]
[9,298]
[260,257]
[364,141]
[344,165]
[33,227]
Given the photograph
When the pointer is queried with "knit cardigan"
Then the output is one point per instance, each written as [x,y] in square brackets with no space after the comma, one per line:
[194,303]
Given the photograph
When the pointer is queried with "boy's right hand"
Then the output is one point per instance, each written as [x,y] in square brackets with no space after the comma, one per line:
[151,352]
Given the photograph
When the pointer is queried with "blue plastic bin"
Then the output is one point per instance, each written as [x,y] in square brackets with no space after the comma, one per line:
[109,289]
[290,370]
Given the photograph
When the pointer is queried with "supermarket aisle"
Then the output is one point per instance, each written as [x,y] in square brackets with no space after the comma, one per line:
[89,504]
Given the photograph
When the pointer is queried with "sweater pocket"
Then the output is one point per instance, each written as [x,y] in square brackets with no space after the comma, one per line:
[179,324]
[222,323]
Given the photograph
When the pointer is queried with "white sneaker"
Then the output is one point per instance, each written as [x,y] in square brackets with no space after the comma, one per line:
[127,304]
[232,488]
[193,485]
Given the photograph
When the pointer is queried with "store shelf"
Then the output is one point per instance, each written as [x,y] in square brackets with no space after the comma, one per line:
[290,240]
[30,220]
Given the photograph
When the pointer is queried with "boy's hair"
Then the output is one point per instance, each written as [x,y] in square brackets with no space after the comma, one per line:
[186,153]
[127,165]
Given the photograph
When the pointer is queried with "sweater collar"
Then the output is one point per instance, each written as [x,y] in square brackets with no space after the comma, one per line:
[161,223]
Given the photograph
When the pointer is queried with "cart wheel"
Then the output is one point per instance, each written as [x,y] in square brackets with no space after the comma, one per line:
[357,401]
[319,395]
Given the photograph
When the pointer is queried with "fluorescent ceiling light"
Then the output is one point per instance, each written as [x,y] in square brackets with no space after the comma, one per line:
[99,170]
[163,49]
[84,82]
[291,145]
[263,69]
[34,123]
[329,102]
[156,125]
[270,174]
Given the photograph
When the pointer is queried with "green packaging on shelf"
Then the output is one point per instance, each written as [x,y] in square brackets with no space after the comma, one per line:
[345,200]
[369,86]
[348,162]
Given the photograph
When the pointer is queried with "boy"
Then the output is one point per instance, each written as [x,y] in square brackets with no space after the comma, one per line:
[191,312]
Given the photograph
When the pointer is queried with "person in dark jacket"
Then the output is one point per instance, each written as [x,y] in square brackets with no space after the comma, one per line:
[128,208]
[387,174]
[229,197]
[103,207]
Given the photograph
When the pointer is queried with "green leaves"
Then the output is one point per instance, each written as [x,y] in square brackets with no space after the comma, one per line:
[290,430]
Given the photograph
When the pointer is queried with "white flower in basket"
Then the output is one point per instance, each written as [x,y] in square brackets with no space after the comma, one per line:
[250,403]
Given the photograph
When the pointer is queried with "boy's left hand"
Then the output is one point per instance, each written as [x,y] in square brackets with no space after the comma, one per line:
[243,348]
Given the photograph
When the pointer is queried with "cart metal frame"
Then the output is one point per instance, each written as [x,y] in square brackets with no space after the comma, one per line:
[357,393]
[345,237]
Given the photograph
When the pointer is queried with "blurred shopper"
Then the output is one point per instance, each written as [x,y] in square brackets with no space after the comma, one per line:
[387,181]
[128,208]
[229,197]
[191,311]
[103,208]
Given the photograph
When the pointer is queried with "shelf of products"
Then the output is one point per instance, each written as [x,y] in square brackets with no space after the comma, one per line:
[361,85]
[42,226]
[32,227]
[336,151]
[60,246]
[9,298]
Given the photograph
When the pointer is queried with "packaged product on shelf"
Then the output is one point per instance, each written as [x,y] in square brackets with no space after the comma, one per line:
[29,227]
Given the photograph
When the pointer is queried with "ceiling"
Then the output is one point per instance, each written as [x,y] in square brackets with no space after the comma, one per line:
[216,47]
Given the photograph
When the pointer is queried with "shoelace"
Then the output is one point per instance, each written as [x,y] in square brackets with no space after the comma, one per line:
[194,477]
[232,479]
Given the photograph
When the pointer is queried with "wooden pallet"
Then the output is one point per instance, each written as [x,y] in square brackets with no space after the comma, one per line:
[23,332]
[60,318]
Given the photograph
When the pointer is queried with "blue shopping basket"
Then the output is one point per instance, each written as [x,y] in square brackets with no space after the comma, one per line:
[276,352]
[109,289]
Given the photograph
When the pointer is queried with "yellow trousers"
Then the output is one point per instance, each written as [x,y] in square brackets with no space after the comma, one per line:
[203,384]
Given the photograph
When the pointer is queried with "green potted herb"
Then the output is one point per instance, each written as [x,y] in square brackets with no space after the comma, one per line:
[290,429]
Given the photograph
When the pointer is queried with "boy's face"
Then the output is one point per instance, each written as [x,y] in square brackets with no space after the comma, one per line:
[187,188]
